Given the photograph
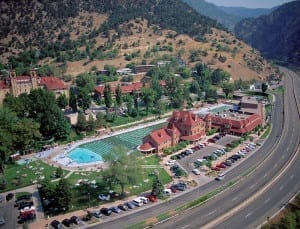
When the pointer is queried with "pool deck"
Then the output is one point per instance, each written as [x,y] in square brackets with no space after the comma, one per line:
[57,156]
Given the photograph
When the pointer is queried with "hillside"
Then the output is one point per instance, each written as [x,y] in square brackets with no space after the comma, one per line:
[276,35]
[79,35]
[242,12]
[211,10]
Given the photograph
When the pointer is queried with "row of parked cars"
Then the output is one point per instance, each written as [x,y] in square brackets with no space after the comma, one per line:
[137,202]
[26,208]
[232,159]
[74,220]
[188,151]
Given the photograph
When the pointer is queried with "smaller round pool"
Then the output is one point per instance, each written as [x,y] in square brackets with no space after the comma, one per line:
[82,155]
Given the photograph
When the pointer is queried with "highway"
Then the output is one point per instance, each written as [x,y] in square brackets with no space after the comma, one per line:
[226,210]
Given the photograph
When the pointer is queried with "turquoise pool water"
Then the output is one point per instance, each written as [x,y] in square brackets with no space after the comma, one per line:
[93,151]
[81,155]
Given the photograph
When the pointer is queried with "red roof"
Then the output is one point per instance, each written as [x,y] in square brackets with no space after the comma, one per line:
[160,136]
[100,89]
[192,137]
[3,85]
[188,117]
[131,87]
[146,147]
[53,83]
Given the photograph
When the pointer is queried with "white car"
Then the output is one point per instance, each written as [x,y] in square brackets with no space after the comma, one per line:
[170,162]
[220,176]
[196,171]
[104,197]
[167,191]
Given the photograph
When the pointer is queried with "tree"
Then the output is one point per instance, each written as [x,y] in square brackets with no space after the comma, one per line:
[73,100]
[59,172]
[86,81]
[148,96]
[264,87]
[107,96]
[157,187]
[100,120]
[81,122]
[123,169]
[118,95]
[25,134]
[62,101]
[228,88]
[160,108]
[63,193]
[90,123]
[84,99]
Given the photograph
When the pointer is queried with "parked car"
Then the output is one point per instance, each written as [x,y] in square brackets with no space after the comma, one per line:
[56,224]
[9,196]
[170,162]
[24,197]
[2,221]
[196,171]
[180,186]
[151,198]
[96,214]
[23,205]
[130,205]
[222,166]
[115,209]
[106,211]
[220,176]
[138,202]
[227,163]
[173,189]
[1,198]
[215,168]
[66,222]
[144,199]
[104,197]
[123,207]
[167,191]
[75,220]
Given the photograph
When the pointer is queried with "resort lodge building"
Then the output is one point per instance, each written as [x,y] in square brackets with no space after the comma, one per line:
[187,126]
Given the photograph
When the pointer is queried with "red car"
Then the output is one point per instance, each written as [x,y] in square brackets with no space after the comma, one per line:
[216,168]
[211,140]
[151,198]
[222,166]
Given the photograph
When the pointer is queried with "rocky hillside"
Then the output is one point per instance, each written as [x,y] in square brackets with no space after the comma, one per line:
[276,35]
[79,35]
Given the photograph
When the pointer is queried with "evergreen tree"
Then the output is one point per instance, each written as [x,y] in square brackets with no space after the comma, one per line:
[107,96]
[119,95]
[73,100]
[62,101]
[157,187]
[63,193]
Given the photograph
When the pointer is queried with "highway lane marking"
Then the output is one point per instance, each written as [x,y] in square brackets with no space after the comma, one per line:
[292,176]
[281,187]
[186,226]
[265,175]
[267,200]
[250,213]
[252,186]
[283,156]
[275,165]
[234,199]
[211,212]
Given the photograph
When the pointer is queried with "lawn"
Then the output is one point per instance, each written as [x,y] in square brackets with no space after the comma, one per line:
[18,176]
[150,160]
[84,195]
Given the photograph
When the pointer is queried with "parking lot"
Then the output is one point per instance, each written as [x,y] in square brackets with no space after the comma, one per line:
[9,213]
[187,163]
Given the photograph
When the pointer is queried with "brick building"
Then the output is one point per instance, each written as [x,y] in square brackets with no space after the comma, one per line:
[17,85]
[183,125]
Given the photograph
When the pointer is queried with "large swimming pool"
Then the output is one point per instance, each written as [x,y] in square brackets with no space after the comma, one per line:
[93,151]
[81,155]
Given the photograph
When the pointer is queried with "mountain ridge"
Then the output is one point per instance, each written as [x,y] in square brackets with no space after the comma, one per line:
[276,35]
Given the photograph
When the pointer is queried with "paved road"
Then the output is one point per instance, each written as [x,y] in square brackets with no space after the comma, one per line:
[222,211]
[265,153]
